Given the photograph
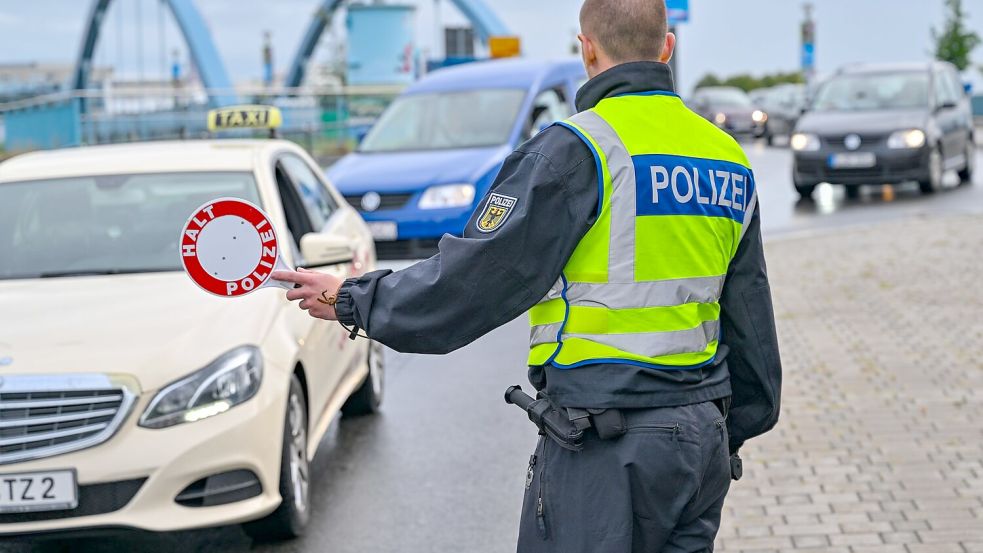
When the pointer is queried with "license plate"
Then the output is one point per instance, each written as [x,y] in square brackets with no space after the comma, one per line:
[383,231]
[38,491]
[860,160]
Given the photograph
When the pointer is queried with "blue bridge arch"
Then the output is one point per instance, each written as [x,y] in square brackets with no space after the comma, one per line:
[196,35]
[486,24]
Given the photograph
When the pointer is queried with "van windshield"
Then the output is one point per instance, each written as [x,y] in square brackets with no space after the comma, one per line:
[874,91]
[446,120]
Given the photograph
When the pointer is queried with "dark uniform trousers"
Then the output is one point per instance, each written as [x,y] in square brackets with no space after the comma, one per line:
[659,488]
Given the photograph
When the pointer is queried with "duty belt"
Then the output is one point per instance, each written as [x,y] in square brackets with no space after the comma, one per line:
[567,426]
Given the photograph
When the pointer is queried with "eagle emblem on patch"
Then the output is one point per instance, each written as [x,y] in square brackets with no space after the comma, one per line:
[497,210]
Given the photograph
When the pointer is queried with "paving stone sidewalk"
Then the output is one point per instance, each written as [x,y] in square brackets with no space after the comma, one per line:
[880,443]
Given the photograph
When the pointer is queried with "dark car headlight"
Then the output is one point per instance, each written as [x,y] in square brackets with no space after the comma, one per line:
[804,142]
[224,383]
[910,139]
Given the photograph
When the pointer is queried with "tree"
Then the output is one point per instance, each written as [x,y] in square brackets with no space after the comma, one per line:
[708,80]
[749,82]
[955,43]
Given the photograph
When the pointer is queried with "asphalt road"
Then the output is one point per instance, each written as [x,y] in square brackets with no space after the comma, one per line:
[442,468]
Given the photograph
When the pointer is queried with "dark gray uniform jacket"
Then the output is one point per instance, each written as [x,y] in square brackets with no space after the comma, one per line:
[482,281]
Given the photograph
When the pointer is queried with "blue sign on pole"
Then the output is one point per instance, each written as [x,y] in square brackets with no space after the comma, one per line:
[678,11]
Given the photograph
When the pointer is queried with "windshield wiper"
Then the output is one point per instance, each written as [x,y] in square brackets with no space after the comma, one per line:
[101,272]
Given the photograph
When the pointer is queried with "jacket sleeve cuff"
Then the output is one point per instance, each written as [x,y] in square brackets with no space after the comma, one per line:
[345,308]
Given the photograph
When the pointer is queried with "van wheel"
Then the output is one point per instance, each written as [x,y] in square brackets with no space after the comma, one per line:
[290,519]
[935,173]
[368,397]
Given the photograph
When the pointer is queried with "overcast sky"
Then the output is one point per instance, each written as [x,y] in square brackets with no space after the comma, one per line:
[724,36]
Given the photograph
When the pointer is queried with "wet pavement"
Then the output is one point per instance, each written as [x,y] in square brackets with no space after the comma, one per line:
[442,468]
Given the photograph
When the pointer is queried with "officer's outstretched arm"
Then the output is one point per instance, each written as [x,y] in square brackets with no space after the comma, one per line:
[513,250]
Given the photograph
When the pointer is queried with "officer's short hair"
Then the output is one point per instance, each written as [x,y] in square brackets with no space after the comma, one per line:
[627,30]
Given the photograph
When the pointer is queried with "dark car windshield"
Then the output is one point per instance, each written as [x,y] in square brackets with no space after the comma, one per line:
[105,224]
[439,121]
[874,91]
[723,97]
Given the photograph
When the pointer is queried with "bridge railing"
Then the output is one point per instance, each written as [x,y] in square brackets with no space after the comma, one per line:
[327,122]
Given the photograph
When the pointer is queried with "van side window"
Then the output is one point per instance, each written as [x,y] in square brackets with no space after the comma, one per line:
[549,107]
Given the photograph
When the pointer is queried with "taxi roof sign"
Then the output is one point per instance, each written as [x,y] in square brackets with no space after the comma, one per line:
[244,117]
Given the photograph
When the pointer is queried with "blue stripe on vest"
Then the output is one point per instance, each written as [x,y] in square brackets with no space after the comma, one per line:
[677,185]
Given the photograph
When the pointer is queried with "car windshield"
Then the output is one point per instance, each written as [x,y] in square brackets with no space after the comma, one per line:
[98,225]
[723,97]
[439,121]
[874,91]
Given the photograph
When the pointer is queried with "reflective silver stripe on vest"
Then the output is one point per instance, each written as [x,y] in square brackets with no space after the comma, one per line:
[544,334]
[647,344]
[639,295]
[749,213]
[621,252]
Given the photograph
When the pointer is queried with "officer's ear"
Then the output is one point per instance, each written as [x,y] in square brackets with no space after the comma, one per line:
[588,53]
[668,48]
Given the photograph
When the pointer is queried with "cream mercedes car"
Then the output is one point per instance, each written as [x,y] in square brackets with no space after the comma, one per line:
[128,396]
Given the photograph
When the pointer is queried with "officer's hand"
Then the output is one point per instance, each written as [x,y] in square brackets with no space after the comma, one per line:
[315,291]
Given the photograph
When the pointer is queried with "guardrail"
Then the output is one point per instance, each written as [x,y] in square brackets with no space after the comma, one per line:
[327,122]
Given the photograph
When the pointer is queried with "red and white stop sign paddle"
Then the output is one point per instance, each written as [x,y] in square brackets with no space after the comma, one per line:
[229,248]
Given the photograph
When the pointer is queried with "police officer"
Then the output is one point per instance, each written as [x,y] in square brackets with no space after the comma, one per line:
[631,235]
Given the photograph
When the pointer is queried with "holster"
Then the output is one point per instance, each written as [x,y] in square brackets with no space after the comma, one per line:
[555,424]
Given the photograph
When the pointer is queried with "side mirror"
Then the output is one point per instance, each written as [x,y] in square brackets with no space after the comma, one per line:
[320,250]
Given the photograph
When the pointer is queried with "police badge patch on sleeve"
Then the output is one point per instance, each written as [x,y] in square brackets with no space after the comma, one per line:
[497,210]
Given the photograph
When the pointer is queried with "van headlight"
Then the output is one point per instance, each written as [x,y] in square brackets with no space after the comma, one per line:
[447,195]
[224,383]
[804,142]
[759,116]
[905,140]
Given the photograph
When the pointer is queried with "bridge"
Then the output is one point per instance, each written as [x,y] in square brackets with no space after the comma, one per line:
[58,121]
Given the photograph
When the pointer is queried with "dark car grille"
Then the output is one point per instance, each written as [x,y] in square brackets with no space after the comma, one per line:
[388,201]
[94,499]
[406,249]
[884,168]
[866,140]
[36,423]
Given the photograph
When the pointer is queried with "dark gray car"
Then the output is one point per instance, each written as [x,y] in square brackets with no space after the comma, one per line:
[782,106]
[730,109]
[885,124]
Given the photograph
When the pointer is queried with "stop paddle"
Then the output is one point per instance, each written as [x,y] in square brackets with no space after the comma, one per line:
[230,249]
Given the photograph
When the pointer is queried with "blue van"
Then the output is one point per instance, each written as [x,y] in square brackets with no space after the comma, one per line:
[434,153]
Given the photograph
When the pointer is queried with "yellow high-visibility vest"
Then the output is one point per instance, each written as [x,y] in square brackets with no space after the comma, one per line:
[643,286]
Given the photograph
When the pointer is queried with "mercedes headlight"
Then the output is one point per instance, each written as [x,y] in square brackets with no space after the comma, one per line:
[759,116]
[226,382]
[804,142]
[447,195]
[720,118]
[904,140]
